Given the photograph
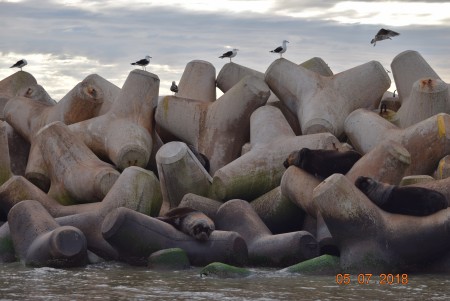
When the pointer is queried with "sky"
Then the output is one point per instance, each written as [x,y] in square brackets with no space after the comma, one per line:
[65,41]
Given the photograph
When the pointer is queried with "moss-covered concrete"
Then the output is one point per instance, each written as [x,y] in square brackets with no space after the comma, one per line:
[325,264]
[169,259]
[222,270]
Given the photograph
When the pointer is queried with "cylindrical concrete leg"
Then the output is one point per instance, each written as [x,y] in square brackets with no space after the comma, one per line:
[443,169]
[262,168]
[36,171]
[206,205]
[136,236]
[386,162]
[298,186]
[37,93]
[428,97]
[11,85]
[278,213]
[198,81]
[40,241]
[231,73]
[5,162]
[180,172]
[407,67]
[263,247]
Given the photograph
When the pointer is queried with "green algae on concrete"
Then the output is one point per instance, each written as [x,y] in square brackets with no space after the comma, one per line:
[222,270]
[169,259]
[325,264]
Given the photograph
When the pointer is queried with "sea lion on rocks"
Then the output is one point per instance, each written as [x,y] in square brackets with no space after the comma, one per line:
[407,200]
[189,221]
[322,163]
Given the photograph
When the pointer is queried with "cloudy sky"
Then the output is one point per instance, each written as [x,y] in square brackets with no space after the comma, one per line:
[66,40]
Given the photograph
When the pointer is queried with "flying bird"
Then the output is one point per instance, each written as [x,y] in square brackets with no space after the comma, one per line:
[229,54]
[20,64]
[174,87]
[143,62]
[383,34]
[281,49]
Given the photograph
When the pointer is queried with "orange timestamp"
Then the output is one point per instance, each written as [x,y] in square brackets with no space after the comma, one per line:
[367,278]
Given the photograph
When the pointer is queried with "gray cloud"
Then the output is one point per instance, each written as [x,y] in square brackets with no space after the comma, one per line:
[111,38]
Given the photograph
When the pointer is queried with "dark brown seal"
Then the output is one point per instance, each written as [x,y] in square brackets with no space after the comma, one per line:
[408,200]
[322,163]
[189,221]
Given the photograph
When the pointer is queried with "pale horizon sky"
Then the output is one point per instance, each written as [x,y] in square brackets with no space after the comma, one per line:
[65,41]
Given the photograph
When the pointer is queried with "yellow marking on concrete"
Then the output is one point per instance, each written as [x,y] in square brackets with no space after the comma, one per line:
[441,126]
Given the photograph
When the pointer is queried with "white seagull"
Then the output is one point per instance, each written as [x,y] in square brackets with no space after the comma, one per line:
[20,64]
[174,87]
[281,49]
[383,34]
[143,62]
[229,54]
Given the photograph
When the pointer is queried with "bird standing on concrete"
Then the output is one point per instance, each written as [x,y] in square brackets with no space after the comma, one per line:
[281,49]
[229,54]
[143,62]
[383,34]
[174,87]
[20,64]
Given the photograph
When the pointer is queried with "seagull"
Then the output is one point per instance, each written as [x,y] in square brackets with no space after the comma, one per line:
[174,87]
[143,62]
[281,49]
[20,64]
[229,54]
[383,34]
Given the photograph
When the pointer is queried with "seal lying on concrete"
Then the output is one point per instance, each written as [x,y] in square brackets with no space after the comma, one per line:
[189,221]
[408,200]
[322,163]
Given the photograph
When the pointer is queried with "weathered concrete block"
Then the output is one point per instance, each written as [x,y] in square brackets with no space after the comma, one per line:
[40,241]
[265,249]
[76,174]
[28,116]
[136,236]
[427,141]
[427,98]
[180,173]
[371,240]
[407,68]
[169,259]
[219,129]
[443,169]
[12,85]
[321,102]
[5,161]
[124,133]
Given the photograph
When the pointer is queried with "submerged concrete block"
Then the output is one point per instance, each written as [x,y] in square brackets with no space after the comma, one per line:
[219,129]
[321,102]
[427,141]
[40,241]
[265,249]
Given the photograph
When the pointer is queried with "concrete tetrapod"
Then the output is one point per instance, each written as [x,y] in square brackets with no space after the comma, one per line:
[265,249]
[180,173]
[218,129]
[198,81]
[37,93]
[77,175]
[40,241]
[136,188]
[323,102]
[19,150]
[407,68]
[28,116]
[374,241]
[12,85]
[427,141]
[123,134]
[136,236]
